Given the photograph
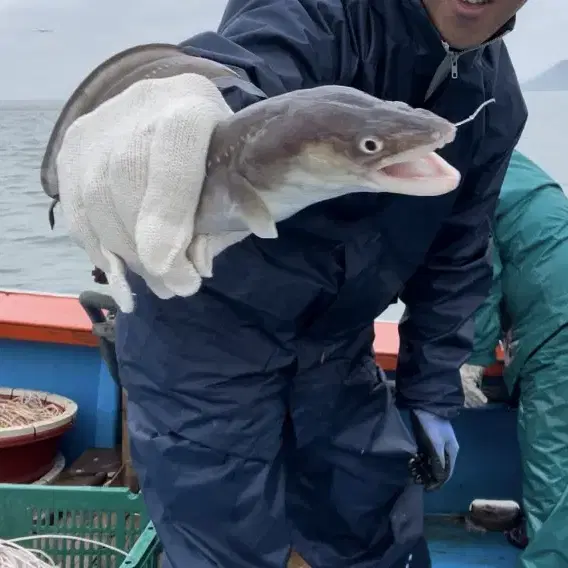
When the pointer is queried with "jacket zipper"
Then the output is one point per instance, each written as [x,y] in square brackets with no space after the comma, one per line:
[455,55]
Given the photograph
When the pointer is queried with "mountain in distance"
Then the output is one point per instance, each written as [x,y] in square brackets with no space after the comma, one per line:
[553,79]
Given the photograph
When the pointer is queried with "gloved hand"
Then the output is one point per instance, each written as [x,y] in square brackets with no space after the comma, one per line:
[437,448]
[130,177]
[471,378]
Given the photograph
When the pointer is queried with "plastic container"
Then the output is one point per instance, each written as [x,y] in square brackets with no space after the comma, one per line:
[112,515]
[28,452]
[75,372]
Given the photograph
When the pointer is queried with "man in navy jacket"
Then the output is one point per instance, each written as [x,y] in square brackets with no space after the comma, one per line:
[258,420]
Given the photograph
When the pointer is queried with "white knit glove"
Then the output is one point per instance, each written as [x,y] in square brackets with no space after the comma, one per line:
[471,378]
[130,177]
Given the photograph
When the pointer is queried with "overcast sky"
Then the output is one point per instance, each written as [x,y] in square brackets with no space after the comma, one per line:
[35,65]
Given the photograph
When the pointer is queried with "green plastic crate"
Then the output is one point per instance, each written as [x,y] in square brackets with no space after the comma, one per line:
[112,515]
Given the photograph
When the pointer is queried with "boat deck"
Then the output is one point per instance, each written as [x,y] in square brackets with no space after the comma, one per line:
[46,343]
[452,546]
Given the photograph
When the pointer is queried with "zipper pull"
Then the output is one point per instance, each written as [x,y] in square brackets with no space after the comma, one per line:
[454,61]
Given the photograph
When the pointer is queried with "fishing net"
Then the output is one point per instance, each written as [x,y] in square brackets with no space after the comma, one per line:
[26,409]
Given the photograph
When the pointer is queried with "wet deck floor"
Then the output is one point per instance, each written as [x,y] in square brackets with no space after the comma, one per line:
[451,546]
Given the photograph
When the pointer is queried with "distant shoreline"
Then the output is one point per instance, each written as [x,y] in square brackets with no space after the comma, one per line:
[26,104]
[553,79]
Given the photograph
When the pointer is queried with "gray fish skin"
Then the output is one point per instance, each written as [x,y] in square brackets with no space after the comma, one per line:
[113,76]
[283,154]
[278,156]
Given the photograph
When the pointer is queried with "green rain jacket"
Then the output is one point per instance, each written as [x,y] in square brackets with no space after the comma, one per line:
[530,268]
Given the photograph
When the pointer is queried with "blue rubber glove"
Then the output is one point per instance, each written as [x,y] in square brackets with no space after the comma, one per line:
[437,448]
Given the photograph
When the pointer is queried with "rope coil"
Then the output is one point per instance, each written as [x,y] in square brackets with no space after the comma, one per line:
[13,555]
[26,409]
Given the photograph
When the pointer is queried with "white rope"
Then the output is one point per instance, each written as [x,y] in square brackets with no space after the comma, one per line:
[13,555]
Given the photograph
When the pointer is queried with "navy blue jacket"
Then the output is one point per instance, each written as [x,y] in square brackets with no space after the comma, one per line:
[434,250]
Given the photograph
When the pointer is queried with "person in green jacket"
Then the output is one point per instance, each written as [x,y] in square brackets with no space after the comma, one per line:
[527,310]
